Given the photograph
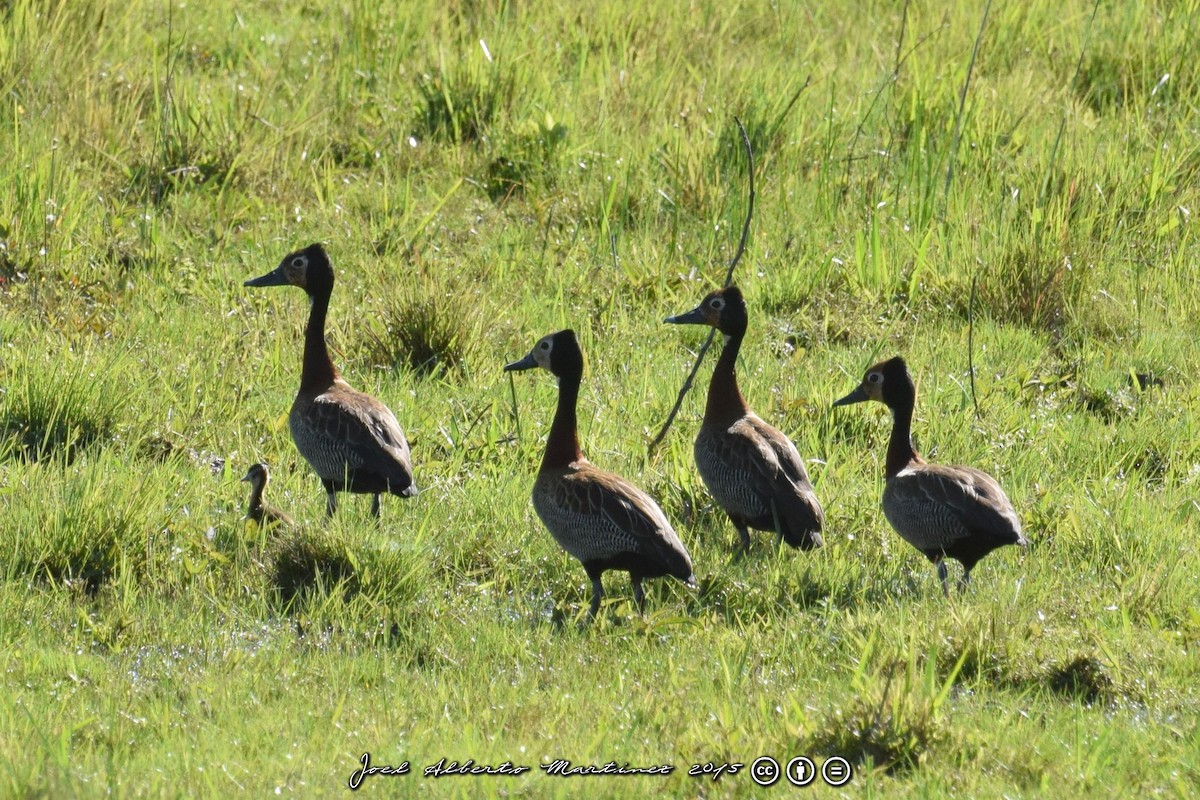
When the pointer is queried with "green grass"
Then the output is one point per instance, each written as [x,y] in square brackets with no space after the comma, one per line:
[484,173]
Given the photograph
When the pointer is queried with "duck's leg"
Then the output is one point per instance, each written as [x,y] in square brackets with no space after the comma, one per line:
[330,497]
[965,581]
[597,593]
[375,506]
[943,576]
[639,594]
[743,533]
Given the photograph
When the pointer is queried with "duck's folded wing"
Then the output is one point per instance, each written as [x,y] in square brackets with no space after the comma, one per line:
[364,435]
[629,516]
[773,467]
[973,496]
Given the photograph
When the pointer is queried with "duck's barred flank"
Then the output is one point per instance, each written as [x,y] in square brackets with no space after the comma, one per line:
[352,440]
[596,516]
[945,512]
[752,470]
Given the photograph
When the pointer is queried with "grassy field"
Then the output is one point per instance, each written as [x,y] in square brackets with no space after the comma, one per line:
[485,172]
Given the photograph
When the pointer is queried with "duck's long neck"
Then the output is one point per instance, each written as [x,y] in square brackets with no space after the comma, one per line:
[900,452]
[562,446]
[725,401]
[255,510]
[317,371]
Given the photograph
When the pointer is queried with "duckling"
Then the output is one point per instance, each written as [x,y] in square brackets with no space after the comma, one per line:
[596,516]
[258,477]
[752,470]
[945,512]
[352,440]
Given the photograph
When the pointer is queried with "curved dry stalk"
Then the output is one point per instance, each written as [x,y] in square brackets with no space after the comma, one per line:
[737,256]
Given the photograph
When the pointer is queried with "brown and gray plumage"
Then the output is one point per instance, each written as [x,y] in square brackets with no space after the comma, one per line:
[352,440]
[258,477]
[945,512]
[601,519]
[751,469]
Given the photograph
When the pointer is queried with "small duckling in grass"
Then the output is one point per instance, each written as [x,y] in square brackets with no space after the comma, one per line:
[258,477]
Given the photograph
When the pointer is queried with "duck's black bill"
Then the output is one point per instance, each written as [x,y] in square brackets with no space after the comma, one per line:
[528,362]
[859,395]
[273,278]
[693,317]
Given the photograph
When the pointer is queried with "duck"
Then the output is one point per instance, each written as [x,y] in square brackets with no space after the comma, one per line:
[598,517]
[751,469]
[943,511]
[352,440]
[258,476]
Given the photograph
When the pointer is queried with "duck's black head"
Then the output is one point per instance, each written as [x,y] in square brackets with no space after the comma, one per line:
[559,353]
[887,382]
[308,268]
[723,309]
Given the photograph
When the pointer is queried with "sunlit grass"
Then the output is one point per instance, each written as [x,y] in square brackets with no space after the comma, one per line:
[484,173]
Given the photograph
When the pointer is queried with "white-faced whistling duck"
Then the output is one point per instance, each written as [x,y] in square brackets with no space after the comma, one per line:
[599,518]
[352,440]
[258,477]
[751,469]
[945,512]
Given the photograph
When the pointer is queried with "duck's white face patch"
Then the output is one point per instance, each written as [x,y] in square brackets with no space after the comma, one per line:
[542,351]
[873,385]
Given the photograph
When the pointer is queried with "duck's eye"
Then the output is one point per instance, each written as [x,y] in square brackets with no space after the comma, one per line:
[874,377]
[717,303]
[299,262]
[544,345]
